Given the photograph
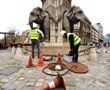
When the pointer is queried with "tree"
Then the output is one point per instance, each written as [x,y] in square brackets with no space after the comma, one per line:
[11,36]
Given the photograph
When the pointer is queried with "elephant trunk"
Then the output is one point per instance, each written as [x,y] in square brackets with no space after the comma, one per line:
[30,22]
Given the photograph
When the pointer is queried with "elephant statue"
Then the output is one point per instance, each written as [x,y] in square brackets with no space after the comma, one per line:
[71,17]
[68,16]
[40,17]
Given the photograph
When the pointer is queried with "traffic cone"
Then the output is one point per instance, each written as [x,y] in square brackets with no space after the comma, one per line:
[30,63]
[41,60]
[57,84]
[59,59]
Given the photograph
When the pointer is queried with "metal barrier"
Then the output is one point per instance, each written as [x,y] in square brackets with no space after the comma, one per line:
[85,51]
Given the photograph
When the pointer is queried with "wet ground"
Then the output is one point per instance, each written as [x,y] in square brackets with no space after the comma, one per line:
[15,76]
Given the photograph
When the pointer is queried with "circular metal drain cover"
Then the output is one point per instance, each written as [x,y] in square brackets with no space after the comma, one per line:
[50,69]
[53,65]
[77,67]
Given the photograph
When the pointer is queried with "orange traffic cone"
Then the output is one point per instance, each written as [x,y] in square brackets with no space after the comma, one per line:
[41,60]
[30,64]
[57,84]
[59,59]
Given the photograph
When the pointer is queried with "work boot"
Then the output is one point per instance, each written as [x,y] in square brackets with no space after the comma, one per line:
[33,56]
[70,53]
[74,60]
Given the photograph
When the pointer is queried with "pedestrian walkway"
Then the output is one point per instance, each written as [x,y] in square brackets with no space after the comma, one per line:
[97,78]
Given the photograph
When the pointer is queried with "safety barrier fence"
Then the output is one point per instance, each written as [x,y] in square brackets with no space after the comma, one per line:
[85,51]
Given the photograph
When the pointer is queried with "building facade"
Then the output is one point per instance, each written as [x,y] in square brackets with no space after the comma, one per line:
[94,35]
[99,28]
[83,30]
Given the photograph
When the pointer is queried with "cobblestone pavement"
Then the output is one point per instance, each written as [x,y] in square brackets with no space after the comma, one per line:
[15,76]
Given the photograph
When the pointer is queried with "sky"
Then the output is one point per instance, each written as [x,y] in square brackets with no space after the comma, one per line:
[15,13]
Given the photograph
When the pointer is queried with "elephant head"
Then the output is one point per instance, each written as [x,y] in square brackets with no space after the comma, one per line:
[36,16]
[40,17]
[75,14]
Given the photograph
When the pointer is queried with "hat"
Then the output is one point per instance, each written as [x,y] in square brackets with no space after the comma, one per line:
[62,32]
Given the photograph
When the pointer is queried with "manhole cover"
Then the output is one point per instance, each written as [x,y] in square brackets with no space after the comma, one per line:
[53,65]
[50,69]
[9,70]
[77,67]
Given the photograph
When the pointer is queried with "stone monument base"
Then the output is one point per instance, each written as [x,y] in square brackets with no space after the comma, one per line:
[50,44]
[54,48]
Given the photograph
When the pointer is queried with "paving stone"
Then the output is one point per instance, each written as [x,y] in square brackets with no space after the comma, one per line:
[72,88]
[5,80]
[38,88]
[46,81]
[67,87]
[1,84]
[27,88]
[70,83]
[106,88]
[32,80]
[21,85]
[38,84]
[30,83]
[48,77]
[41,80]
[9,86]
[21,78]
[17,83]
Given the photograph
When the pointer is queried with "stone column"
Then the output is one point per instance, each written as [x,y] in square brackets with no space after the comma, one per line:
[56,28]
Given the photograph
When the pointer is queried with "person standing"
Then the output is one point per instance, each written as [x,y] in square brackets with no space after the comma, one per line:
[74,42]
[34,35]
